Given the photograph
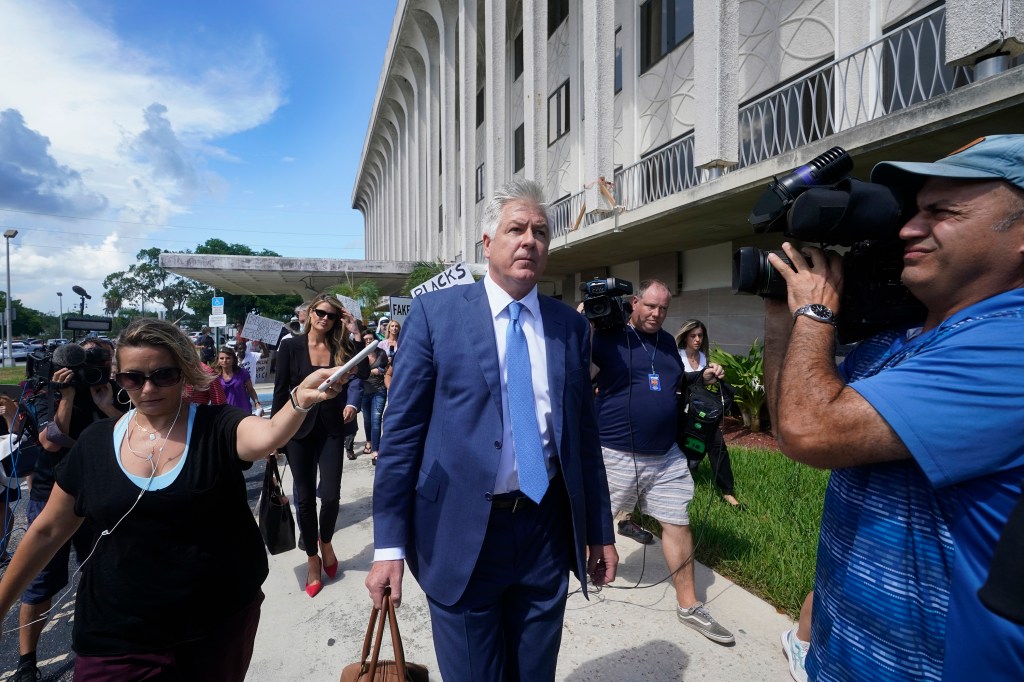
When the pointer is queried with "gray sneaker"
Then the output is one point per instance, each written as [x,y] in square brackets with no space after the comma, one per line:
[699,618]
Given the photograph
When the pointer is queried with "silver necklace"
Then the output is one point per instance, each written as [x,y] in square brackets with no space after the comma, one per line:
[152,437]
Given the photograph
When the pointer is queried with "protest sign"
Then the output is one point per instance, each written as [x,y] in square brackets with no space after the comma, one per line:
[351,305]
[265,329]
[399,307]
[454,276]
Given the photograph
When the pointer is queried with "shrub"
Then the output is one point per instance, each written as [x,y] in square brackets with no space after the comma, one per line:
[746,374]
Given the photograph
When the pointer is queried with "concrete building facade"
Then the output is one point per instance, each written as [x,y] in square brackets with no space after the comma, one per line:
[654,125]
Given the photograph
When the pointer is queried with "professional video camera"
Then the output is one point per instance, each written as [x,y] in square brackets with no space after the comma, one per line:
[603,304]
[820,202]
[90,367]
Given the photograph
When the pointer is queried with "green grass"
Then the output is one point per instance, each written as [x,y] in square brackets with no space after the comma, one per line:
[769,548]
[12,375]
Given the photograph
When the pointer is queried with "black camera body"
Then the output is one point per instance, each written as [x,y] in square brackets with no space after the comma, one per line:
[90,367]
[603,304]
[820,202]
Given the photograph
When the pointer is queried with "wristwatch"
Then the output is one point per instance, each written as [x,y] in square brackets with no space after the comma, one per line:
[816,311]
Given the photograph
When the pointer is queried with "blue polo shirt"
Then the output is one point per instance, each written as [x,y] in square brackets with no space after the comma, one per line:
[905,546]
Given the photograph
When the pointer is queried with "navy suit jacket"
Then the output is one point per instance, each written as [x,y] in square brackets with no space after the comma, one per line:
[442,434]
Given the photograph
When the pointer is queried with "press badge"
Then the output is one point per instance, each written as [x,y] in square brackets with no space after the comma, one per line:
[654,382]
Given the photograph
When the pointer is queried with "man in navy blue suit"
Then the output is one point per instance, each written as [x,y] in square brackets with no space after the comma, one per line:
[490,482]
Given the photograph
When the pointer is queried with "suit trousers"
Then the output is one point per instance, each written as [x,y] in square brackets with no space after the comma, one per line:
[507,626]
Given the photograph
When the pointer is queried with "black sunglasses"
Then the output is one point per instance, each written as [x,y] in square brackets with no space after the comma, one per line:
[161,378]
[323,313]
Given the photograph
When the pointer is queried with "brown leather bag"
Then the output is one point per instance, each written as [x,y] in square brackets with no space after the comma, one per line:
[371,668]
[387,376]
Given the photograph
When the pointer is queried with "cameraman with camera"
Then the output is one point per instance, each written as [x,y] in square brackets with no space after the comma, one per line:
[80,393]
[921,426]
[638,370]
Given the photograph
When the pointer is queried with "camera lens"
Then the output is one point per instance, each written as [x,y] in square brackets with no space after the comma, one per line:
[753,274]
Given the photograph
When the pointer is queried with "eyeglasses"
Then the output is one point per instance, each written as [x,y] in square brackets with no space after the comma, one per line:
[161,378]
[323,313]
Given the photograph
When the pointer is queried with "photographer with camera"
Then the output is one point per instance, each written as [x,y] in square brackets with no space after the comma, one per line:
[639,369]
[81,392]
[916,500]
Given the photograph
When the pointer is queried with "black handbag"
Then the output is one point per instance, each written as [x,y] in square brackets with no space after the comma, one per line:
[700,409]
[275,515]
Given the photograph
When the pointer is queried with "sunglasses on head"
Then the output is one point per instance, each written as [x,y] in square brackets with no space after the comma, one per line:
[324,313]
[161,378]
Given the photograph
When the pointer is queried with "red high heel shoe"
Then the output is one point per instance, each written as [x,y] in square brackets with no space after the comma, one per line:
[313,588]
[331,570]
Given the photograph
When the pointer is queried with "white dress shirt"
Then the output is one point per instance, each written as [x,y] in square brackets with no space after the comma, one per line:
[533,328]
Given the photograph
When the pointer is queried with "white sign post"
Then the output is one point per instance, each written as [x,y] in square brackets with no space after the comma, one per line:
[220,320]
[456,275]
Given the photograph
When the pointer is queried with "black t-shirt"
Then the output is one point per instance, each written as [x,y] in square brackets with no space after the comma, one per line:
[186,558]
[83,413]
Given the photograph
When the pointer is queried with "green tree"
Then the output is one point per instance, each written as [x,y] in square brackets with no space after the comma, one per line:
[27,322]
[146,281]
[366,293]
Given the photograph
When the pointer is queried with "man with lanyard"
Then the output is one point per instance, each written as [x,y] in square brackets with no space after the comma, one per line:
[921,427]
[638,370]
[86,395]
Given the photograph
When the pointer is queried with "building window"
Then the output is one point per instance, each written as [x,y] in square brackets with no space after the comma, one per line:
[618,60]
[479,107]
[480,183]
[517,56]
[558,11]
[558,113]
[663,25]
[519,148]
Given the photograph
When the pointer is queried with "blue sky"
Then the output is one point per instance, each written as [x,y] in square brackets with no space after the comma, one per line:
[126,124]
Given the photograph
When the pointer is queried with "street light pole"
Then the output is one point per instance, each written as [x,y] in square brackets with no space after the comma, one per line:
[9,355]
[60,304]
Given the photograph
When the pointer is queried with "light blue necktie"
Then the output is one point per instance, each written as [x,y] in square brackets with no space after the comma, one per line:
[533,473]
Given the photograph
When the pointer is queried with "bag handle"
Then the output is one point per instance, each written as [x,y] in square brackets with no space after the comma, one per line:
[396,638]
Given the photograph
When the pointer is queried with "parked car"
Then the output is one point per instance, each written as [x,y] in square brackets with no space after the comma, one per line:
[18,351]
[52,344]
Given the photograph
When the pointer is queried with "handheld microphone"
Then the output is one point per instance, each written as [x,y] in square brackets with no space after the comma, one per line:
[348,366]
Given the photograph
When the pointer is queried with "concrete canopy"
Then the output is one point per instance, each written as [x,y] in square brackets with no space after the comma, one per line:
[268,275]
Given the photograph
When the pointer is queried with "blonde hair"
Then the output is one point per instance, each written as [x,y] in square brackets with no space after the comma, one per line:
[338,341]
[156,333]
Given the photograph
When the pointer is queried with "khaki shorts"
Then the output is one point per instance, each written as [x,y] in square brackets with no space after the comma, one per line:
[661,483]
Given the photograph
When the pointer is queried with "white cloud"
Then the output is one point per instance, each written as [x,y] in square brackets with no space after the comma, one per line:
[125,125]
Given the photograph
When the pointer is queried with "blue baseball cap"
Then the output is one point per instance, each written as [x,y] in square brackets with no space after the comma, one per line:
[995,157]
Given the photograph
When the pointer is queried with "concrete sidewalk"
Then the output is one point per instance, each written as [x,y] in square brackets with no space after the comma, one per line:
[621,633]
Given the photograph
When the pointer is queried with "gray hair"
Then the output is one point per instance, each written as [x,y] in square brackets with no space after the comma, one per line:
[302,307]
[517,189]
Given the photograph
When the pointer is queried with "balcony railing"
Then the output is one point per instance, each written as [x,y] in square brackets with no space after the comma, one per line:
[564,213]
[666,171]
[899,69]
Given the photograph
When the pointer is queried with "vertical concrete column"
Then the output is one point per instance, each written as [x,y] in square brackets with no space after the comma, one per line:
[495,95]
[978,30]
[535,88]
[716,69]
[450,180]
[856,92]
[597,52]
[469,231]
